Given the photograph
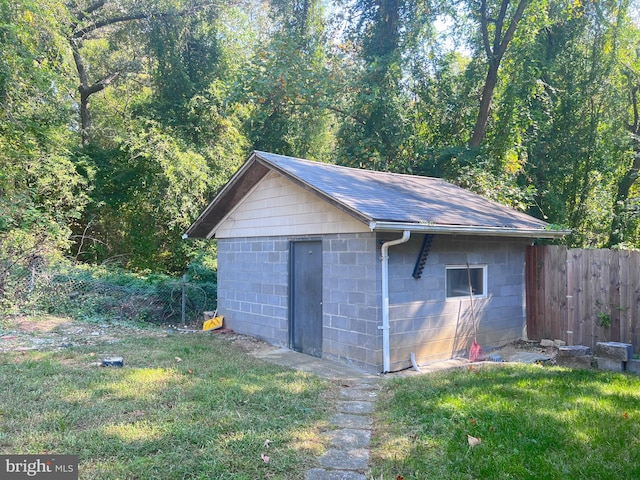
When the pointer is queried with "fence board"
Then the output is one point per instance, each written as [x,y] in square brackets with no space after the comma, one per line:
[548,285]
[570,293]
[531,293]
[581,274]
[551,274]
[600,306]
[614,295]
[634,299]
[624,302]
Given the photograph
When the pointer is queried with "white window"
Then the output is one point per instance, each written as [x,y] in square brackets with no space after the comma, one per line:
[459,277]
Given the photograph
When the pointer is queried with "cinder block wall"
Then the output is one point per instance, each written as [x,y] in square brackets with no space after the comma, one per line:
[423,321]
[253,288]
[350,299]
[253,293]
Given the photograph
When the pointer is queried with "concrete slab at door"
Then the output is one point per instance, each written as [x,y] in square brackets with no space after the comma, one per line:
[306,297]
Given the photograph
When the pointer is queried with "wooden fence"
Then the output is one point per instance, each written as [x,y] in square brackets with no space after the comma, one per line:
[583,296]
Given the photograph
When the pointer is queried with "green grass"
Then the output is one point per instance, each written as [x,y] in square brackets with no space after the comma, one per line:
[211,414]
[534,423]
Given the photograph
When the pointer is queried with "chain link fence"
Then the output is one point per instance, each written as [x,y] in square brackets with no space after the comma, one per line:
[35,286]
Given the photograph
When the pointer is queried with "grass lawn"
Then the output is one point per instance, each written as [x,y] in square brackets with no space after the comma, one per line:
[533,423]
[182,407]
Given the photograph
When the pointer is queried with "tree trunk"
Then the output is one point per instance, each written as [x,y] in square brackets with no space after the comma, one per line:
[86,91]
[495,52]
[485,105]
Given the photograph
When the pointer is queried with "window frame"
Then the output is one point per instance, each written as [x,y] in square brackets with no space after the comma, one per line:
[485,279]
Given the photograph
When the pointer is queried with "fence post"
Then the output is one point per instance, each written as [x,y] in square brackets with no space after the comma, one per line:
[184,298]
[32,280]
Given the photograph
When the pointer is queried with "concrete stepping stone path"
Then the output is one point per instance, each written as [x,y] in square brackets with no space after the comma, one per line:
[348,455]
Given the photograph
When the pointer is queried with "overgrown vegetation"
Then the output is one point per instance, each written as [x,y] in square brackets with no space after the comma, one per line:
[99,294]
[120,120]
[520,421]
[181,407]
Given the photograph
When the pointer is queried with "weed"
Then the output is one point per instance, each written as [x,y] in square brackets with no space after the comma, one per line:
[604,320]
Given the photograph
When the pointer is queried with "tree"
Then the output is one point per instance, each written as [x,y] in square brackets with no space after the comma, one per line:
[498,26]
[41,187]
[287,84]
[98,20]
[620,232]
[374,132]
[43,182]
[575,141]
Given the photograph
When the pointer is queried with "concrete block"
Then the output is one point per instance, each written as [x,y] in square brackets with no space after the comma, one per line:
[573,351]
[583,362]
[323,474]
[545,342]
[633,366]
[614,350]
[610,364]
[356,459]
[559,343]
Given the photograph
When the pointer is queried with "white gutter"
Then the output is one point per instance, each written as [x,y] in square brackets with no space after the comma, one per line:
[385,297]
[467,230]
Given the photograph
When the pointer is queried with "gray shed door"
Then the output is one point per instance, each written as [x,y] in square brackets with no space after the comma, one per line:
[306,297]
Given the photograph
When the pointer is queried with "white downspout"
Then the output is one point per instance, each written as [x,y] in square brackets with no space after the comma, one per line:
[385,297]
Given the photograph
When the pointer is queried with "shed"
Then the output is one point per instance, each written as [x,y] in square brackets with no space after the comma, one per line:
[365,267]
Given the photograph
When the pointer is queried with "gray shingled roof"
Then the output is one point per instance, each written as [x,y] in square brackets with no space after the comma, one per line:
[376,198]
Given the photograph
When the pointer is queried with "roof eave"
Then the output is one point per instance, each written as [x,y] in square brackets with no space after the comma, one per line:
[386,226]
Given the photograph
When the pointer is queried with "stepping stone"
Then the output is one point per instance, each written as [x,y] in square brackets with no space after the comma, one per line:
[357,459]
[358,394]
[574,351]
[346,420]
[356,407]
[528,357]
[322,474]
[349,438]
[614,350]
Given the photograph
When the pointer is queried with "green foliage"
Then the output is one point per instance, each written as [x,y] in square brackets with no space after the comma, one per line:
[44,185]
[187,60]
[476,170]
[374,135]
[288,87]
[180,92]
[106,294]
[165,135]
[604,320]
[145,223]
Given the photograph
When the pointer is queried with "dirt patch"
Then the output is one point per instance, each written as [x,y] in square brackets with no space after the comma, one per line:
[522,351]
[246,343]
[44,324]
[50,332]
[47,332]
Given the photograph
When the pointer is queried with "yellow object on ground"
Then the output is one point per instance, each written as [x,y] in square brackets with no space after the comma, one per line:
[213,323]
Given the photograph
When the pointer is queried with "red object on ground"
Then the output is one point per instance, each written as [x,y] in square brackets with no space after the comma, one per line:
[475,352]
